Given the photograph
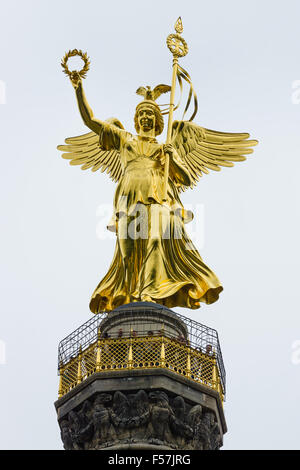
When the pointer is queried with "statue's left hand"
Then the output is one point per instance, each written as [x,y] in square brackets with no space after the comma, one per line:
[167,149]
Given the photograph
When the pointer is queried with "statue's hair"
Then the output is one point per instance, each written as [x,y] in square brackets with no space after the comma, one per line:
[159,120]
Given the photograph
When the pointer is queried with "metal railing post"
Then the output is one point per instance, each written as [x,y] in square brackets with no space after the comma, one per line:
[188,363]
[130,356]
[60,387]
[79,370]
[162,349]
[98,357]
[214,372]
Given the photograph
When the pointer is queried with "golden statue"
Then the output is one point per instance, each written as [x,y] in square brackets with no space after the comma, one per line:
[154,258]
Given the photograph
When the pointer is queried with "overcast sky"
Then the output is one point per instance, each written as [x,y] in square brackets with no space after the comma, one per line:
[244,60]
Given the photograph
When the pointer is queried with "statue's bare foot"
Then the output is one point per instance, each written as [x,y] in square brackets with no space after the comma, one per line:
[146,298]
[127,299]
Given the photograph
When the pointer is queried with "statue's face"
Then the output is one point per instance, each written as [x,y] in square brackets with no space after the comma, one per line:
[146,119]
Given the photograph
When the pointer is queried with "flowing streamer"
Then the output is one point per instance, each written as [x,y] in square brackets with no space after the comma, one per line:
[182,74]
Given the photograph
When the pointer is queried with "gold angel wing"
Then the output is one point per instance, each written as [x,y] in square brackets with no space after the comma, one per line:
[85,150]
[203,149]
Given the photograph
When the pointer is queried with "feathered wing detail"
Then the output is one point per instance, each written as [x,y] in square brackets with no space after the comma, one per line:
[86,151]
[203,149]
[150,94]
[160,89]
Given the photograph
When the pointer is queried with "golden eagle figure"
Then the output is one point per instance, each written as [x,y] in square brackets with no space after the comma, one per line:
[154,258]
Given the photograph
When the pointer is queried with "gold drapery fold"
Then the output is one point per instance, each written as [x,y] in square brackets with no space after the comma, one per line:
[168,270]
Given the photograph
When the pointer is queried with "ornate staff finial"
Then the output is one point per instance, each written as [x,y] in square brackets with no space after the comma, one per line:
[175,42]
[179,26]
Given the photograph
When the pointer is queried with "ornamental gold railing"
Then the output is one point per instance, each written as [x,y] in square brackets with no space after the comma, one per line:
[146,352]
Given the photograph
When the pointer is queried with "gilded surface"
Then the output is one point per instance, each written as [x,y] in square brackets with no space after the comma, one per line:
[154,258]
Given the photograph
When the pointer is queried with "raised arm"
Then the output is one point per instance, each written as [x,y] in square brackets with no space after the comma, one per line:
[86,112]
[111,132]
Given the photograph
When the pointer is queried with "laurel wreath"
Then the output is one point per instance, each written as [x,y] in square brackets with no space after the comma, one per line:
[83,56]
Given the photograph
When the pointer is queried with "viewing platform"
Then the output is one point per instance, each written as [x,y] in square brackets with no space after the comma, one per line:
[144,377]
[157,338]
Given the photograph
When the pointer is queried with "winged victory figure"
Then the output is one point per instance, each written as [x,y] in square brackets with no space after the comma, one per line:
[154,258]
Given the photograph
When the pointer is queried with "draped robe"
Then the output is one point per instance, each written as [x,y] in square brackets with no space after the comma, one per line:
[154,258]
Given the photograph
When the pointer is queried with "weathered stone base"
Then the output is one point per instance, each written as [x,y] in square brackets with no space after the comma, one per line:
[153,409]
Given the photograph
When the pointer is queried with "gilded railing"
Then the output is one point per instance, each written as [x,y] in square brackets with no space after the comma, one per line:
[145,352]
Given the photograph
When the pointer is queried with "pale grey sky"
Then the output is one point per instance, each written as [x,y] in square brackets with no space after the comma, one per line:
[244,57]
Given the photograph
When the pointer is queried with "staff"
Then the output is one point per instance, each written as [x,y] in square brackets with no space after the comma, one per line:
[178,48]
